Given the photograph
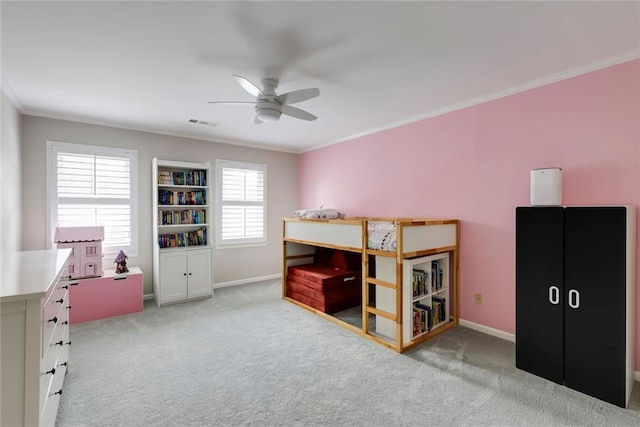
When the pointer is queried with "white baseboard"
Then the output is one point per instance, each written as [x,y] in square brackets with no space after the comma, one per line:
[487,330]
[501,334]
[244,281]
[232,283]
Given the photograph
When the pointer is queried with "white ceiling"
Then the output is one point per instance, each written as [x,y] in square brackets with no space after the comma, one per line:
[154,65]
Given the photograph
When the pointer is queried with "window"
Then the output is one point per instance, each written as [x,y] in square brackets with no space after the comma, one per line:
[90,186]
[241,203]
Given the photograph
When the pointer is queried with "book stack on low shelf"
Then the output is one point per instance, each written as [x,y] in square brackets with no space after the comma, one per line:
[183,239]
[86,250]
[429,308]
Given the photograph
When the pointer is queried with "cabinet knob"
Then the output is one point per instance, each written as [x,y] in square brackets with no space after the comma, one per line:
[189,274]
[184,274]
[60,301]
[67,343]
[52,371]
[58,343]
[63,364]
[59,392]
[68,306]
[65,287]
[54,320]
[66,322]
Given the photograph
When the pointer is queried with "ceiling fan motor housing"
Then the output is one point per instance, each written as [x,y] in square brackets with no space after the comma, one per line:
[267,109]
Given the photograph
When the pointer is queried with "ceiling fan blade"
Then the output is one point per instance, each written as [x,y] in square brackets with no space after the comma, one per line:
[297,96]
[248,86]
[232,102]
[297,113]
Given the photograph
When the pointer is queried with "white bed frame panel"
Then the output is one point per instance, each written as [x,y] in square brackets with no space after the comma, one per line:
[423,237]
[328,233]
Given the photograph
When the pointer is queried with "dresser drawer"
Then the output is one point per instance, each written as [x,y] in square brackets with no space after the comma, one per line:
[52,385]
[48,370]
[54,312]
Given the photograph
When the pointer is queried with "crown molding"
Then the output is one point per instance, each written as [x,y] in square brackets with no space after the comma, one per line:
[574,72]
[6,88]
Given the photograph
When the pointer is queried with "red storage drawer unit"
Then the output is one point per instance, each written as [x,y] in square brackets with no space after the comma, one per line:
[324,288]
[107,296]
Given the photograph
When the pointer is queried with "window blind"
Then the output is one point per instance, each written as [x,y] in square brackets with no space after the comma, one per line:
[241,203]
[95,189]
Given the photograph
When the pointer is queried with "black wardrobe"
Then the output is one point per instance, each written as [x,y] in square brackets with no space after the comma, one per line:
[575,297]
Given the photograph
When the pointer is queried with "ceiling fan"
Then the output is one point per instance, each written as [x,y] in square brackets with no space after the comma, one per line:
[270,106]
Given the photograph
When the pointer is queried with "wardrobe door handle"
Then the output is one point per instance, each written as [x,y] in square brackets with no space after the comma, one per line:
[574,298]
[554,295]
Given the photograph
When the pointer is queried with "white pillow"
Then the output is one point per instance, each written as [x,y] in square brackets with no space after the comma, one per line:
[319,214]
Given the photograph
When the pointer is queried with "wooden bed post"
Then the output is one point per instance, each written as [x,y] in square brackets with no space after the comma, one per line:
[365,275]
[284,259]
[399,256]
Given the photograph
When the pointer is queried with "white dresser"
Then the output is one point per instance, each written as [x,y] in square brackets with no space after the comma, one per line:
[34,340]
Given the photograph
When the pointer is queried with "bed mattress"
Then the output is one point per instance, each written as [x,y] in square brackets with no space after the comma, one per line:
[324,288]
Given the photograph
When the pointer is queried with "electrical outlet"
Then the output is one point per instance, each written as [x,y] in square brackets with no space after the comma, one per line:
[478,298]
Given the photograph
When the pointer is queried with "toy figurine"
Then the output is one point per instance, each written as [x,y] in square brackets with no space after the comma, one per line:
[121,263]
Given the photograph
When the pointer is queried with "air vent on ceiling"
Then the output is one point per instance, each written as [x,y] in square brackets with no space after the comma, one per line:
[202,122]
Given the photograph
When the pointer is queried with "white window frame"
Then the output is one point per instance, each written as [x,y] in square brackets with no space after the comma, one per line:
[244,242]
[55,147]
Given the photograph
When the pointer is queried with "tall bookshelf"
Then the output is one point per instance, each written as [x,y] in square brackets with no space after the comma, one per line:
[182,251]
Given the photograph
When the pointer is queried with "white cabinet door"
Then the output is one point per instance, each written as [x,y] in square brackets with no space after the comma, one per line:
[199,273]
[173,276]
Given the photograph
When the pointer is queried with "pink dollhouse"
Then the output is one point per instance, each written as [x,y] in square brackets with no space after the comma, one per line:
[86,255]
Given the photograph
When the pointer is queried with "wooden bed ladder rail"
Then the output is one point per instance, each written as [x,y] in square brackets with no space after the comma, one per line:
[369,309]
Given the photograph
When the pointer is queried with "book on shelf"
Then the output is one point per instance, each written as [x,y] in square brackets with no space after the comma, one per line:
[190,177]
[182,217]
[437,275]
[421,279]
[168,197]
[422,318]
[186,238]
[440,308]
[165,178]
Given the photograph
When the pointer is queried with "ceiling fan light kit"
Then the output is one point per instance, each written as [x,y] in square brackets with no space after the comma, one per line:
[269,106]
[267,114]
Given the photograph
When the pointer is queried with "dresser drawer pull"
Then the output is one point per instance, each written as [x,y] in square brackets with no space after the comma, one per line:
[52,371]
[66,322]
[54,320]
[64,287]
[60,301]
[58,343]
[57,392]
[63,364]
[68,306]
[74,283]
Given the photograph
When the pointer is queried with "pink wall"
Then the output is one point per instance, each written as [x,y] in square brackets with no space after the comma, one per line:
[474,165]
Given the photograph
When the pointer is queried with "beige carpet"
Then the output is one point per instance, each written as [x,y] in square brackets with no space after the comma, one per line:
[246,357]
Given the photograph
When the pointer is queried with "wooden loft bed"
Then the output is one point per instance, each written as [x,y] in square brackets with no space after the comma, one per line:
[409,272]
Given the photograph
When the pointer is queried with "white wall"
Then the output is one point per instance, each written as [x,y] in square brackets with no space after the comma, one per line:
[230,265]
[10,178]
